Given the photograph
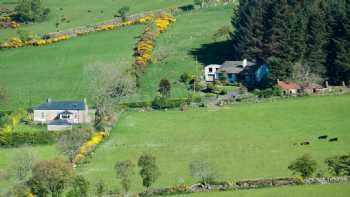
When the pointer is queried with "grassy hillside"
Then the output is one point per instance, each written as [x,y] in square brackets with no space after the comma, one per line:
[190,38]
[335,190]
[244,141]
[34,73]
[77,13]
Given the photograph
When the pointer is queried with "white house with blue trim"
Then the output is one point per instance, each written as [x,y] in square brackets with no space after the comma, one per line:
[233,71]
[61,115]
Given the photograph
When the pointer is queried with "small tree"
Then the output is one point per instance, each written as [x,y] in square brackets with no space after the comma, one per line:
[101,188]
[52,175]
[19,190]
[31,10]
[304,165]
[202,170]
[164,88]
[80,187]
[108,87]
[339,165]
[125,169]
[23,162]
[149,169]
[3,94]
[70,141]
[123,12]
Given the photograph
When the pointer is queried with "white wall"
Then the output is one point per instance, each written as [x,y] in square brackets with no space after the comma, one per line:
[211,76]
[44,116]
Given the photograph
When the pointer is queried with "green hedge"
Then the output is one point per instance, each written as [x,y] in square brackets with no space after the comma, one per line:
[15,139]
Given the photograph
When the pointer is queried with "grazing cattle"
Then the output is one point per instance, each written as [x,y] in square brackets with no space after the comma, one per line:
[333,139]
[323,137]
[305,143]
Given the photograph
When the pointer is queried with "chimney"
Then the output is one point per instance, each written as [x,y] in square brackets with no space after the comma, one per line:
[343,83]
[49,100]
[245,63]
[85,101]
[327,85]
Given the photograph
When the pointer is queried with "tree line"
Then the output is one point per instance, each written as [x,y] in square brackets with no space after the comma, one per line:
[299,39]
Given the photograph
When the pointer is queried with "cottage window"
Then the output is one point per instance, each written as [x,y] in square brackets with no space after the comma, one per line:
[230,75]
[210,69]
[65,116]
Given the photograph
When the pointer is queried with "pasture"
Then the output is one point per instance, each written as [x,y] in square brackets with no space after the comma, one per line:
[335,190]
[90,12]
[242,142]
[32,74]
[187,46]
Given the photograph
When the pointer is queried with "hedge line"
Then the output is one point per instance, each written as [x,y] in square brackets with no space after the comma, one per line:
[159,103]
[15,139]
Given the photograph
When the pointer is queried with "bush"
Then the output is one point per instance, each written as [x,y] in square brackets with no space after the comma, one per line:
[122,12]
[269,92]
[163,103]
[185,77]
[339,165]
[304,165]
[202,170]
[15,139]
[31,11]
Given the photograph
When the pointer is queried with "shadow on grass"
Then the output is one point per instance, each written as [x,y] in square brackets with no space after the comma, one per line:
[213,53]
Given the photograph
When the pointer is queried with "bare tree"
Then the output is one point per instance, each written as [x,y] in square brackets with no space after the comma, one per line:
[108,86]
[70,141]
[302,74]
[23,162]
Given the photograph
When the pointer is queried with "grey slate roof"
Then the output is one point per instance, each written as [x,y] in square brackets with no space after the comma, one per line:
[234,66]
[61,105]
[59,122]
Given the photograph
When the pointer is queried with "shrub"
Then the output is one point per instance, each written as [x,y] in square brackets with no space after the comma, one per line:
[80,187]
[304,165]
[202,170]
[122,12]
[125,169]
[15,139]
[339,165]
[162,103]
[31,11]
[185,77]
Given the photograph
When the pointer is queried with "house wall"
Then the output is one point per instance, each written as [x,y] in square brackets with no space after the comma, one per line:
[211,76]
[233,78]
[44,116]
[261,73]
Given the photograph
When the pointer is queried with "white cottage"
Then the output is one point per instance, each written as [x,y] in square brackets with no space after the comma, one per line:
[61,115]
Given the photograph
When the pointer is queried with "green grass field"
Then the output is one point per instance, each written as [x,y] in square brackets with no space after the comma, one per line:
[33,74]
[244,141]
[189,33]
[334,190]
[77,12]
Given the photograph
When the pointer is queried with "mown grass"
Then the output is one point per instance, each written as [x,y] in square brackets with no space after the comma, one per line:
[33,74]
[177,48]
[333,190]
[242,142]
[77,13]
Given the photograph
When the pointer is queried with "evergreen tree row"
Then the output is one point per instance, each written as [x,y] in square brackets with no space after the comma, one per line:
[288,33]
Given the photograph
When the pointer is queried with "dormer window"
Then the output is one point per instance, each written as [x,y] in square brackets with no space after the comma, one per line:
[65,116]
[210,70]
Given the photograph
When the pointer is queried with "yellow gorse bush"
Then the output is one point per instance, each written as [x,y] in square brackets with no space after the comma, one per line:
[17,42]
[12,121]
[89,146]
[145,46]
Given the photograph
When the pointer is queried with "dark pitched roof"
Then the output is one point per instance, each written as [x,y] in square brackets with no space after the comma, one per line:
[66,113]
[61,105]
[235,66]
[59,122]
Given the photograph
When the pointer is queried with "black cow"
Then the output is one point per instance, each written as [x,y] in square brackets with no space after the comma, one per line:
[333,139]
[323,137]
[305,143]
